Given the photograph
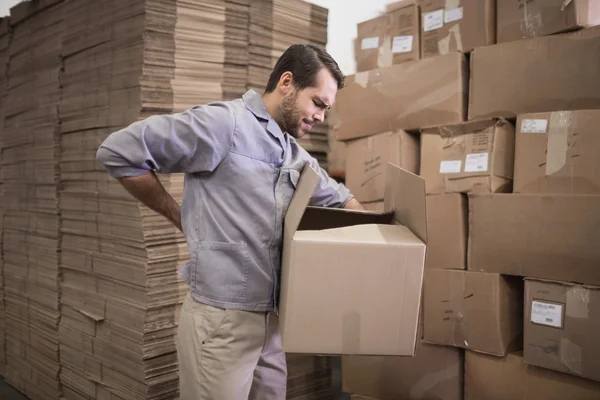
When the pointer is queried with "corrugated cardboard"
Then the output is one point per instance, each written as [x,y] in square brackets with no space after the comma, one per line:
[447,229]
[509,378]
[456,25]
[367,160]
[558,152]
[436,372]
[541,236]
[406,96]
[391,38]
[476,156]
[536,75]
[521,20]
[343,270]
[474,310]
[562,323]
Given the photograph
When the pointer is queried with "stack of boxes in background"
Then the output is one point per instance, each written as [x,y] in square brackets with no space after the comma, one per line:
[511,278]
[5,39]
[31,221]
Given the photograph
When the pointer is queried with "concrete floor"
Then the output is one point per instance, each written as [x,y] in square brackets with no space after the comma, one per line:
[8,393]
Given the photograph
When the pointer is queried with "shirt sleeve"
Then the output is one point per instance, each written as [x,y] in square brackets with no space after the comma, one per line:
[192,141]
[328,192]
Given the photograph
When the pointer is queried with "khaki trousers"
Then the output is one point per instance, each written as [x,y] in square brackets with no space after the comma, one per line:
[229,354]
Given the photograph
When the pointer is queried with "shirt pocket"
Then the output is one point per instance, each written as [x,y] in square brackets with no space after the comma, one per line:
[221,271]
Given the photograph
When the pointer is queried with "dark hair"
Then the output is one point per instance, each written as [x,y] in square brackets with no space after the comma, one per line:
[304,61]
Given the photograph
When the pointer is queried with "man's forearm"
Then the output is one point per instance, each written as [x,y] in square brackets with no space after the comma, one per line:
[149,191]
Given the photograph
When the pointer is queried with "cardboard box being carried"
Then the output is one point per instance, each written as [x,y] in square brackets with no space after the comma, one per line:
[542,236]
[509,378]
[473,310]
[367,160]
[407,96]
[558,152]
[476,156]
[391,38]
[536,75]
[520,20]
[447,229]
[562,324]
[376,206]
[343,270]
[459,25]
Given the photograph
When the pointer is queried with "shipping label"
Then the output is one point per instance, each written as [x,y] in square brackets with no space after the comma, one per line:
[433,20]
[534,126]
[549,314]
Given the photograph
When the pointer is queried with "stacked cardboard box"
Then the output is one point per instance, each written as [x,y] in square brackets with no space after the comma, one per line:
[545,230]
[120,290]
[5,39]
[31,216]
[309,378]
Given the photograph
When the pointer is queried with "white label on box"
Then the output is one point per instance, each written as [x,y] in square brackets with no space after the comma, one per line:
[433,20]
[476,162]
[453,15]
[450,167]
[402,44]
[549,314]
[369,43]
[534,126]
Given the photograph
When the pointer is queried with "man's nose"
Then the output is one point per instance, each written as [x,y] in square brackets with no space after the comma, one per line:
[319,116]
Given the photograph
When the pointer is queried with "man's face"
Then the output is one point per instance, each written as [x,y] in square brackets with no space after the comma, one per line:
[300,110]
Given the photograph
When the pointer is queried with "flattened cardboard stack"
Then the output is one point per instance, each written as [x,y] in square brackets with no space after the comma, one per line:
[5,38]
[31,218]
[120,291]
[309,378]
[275,25]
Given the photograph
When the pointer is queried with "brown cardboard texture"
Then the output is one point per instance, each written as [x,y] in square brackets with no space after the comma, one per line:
[557,152]
[474,310]
[504,378]
[447,229]
[407,96]
[541,236]
[534,18]
[536,75]
[475,156]
[459,25]
[342,271]
[435,372]
[562,321]
[367,160]
[376,206]
[391,38]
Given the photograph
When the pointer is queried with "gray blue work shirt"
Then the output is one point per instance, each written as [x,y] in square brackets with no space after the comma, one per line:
[240,173]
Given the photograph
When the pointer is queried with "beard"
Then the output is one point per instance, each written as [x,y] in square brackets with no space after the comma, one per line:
[289,115]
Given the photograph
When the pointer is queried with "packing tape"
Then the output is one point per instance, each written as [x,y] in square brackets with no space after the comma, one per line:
[452,4]
[384,53]
[558,135]
[351,332]
[362,79]
[565,4]
[531,24]
[571,356]
[423,386]
[578,302]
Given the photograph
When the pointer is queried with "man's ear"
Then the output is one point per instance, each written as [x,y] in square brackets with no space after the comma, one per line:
[286,81]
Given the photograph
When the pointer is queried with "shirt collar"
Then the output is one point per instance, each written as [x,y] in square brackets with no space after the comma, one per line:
[255,104]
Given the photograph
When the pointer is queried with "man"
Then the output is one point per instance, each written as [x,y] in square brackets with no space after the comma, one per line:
[242,165]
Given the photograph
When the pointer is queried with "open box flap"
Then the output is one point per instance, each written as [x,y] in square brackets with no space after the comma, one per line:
[405,194]
[300,200]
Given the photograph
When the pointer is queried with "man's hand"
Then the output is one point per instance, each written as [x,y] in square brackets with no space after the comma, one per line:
[354,205]
[149,191]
